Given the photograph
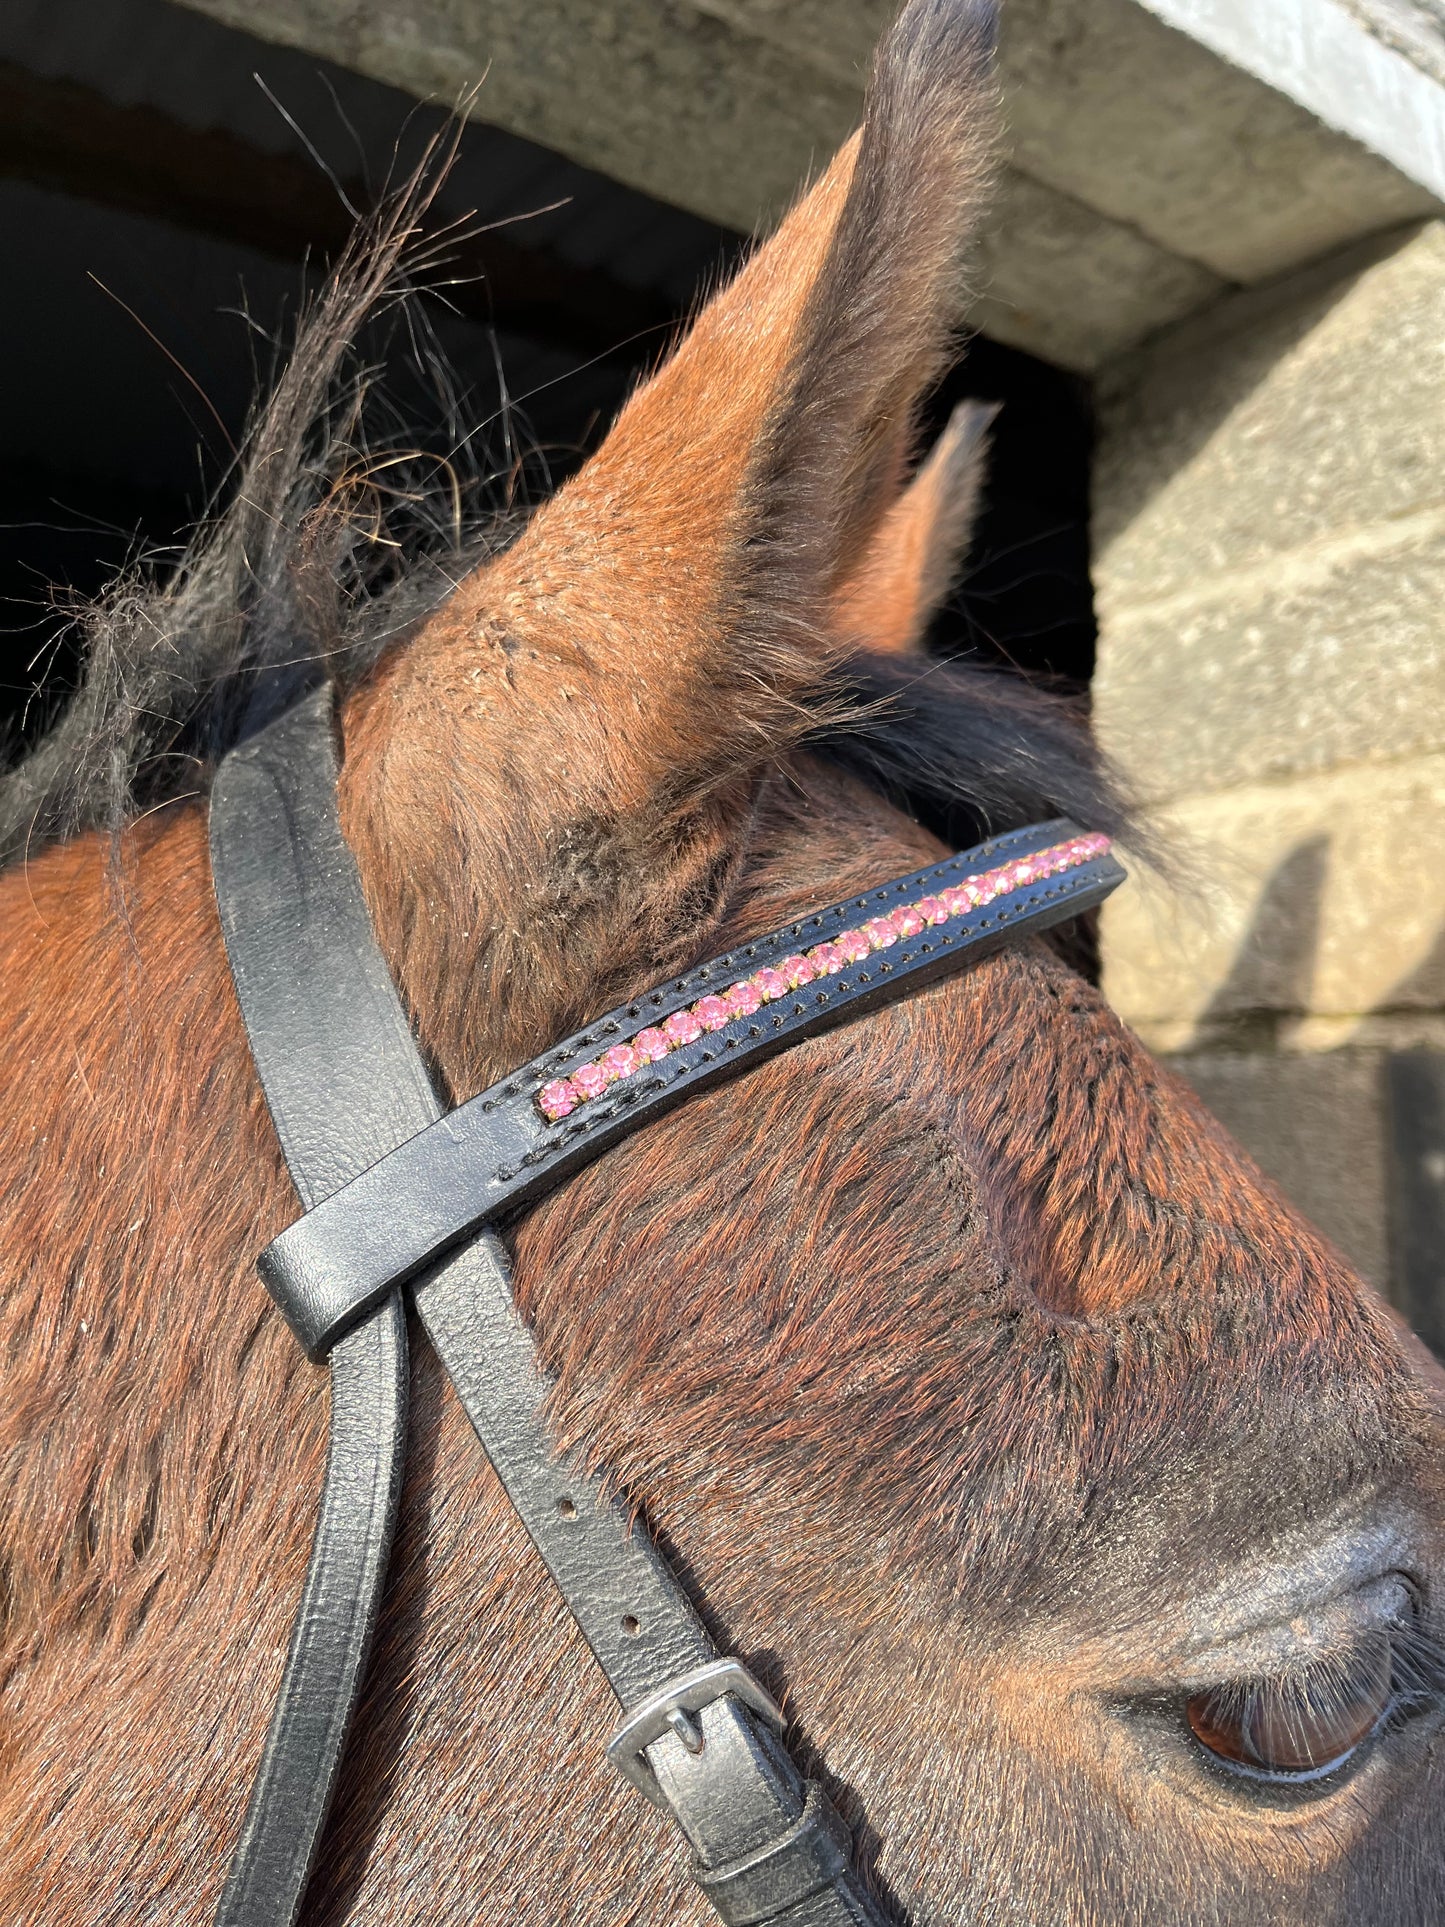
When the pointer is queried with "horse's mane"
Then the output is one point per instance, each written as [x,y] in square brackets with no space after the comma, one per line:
[328,537]
[332,543]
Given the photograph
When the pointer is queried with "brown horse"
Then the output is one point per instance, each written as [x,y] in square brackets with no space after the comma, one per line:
[1083,1504]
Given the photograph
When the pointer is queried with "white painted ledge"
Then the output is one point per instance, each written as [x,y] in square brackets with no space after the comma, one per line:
[1323,58]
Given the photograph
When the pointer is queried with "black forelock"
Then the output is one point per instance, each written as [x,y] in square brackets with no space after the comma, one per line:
[971,751]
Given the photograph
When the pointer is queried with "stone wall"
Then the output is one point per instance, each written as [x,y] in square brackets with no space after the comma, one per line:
[1270,539]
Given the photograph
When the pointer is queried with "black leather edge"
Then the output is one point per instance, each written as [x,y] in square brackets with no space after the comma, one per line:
[326,1661]
[804,1861]
[639,1624]
[345,1083]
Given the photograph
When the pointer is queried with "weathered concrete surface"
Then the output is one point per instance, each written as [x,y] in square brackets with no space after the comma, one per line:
[1146,175]
[1318,1126]
[1271,573]
[1334,653]
[1319,896]
[1320,54]
[1314,405]
[1271,530]
[1414,28]
[1110,106]
[1120,286]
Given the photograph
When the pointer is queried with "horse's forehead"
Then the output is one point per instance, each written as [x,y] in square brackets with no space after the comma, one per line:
[995,1269]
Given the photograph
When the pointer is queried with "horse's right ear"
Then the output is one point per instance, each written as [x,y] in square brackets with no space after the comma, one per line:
[741,484]
[650,641]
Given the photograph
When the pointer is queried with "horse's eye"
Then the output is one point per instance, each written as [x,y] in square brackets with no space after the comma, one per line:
[1303,1724]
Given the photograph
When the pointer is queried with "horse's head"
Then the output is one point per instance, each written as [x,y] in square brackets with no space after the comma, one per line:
[1083,1502]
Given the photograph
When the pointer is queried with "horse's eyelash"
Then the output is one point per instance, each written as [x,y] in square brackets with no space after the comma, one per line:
[1417,1665]
[1418,1660]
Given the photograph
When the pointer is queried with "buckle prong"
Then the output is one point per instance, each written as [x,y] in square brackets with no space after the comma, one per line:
[668,1711]
[688,1731]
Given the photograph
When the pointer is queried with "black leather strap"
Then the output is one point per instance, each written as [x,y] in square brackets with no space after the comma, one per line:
[347,1088]
[343,1084]
[784,1872]
[741,1795]
[498,1152]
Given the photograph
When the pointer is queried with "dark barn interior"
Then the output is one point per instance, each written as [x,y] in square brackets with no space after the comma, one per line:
[169,189]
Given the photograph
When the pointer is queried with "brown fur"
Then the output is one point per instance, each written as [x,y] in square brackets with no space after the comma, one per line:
[955,1355]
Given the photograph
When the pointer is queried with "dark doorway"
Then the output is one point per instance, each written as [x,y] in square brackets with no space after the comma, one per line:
[169,186]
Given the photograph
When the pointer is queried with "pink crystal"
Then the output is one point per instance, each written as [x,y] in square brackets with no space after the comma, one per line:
[682,1028]
[743,999]
[650,1044]
[712,1012]
[880,932]
[907,922]
[932,909]
[827,959]
[621,1061]
[798,971]
[590,1080]
[959,900]
[854,946]
[772,983]
[557,1099]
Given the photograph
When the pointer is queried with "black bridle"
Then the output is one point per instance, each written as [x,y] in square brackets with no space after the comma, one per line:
[398,1193]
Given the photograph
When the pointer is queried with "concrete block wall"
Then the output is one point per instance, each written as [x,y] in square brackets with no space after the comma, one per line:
[1270,567]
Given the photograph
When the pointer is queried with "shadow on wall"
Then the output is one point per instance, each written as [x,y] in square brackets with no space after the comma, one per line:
[1356,1135]
[1414,1103]
[1267,989]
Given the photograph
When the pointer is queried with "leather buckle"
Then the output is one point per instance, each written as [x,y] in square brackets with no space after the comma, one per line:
[668,1711]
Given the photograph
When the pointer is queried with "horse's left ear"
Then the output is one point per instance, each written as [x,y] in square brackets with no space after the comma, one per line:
[561,761]
[918,549]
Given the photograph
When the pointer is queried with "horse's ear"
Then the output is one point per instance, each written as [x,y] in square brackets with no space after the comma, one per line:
[742,481]
[607,688]
[918,549]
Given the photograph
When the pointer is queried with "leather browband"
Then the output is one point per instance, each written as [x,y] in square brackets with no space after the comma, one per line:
[498,1152]
[395,1191]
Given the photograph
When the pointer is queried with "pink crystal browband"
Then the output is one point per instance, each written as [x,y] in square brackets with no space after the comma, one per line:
[559,1097]
[507,1147]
